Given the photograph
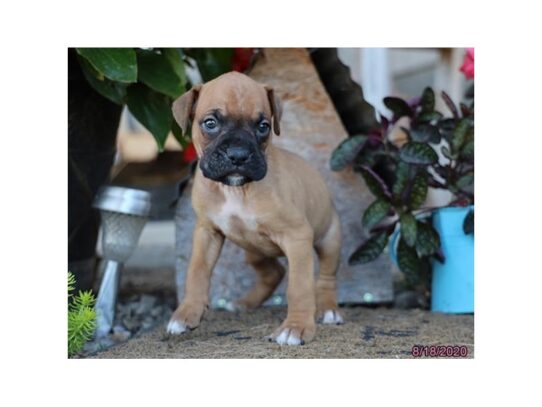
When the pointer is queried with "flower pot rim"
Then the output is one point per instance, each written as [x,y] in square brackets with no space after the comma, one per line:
[454,208]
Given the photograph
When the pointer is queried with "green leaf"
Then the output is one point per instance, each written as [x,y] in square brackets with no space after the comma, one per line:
[375,213]
[427,240]
[375,148]
[424,133]
[375,184]
[212,62]
[152,110]
[117,64]
[465,180]
[468,223]
[408,228]
[368,157]
[428,100]
[175,58]
[467,152]
[346,152]
[81,317]
[418,192]
[401,179]
[435,136]
[459,134]
[81,326]
[114,91]
[71,283]
[408,262]
[83,299]
[418,153]
[156,71]
[446,128]
[429,117]
[398,106]
[369,250]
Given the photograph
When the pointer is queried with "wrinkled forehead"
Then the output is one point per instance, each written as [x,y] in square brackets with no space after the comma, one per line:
[233,99]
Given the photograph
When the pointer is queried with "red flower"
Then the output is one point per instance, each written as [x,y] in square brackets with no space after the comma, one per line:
[468,64]
[189,153]
[241,59]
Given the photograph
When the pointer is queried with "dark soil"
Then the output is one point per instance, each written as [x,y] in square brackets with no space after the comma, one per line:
[367,333]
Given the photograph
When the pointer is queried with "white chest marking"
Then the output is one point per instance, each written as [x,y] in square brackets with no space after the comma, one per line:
[234,207]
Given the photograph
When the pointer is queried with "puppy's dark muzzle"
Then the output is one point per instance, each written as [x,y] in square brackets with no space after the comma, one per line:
[238,156]
[234,159]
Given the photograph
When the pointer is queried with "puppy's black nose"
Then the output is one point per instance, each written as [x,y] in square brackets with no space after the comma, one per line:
[238,155]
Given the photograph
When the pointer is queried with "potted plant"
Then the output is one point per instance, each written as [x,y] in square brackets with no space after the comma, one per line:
[400,160]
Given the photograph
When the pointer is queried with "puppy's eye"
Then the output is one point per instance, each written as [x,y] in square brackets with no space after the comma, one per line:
[210,124]
[263,127]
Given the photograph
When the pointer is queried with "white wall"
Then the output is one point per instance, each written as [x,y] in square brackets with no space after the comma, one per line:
[405,72]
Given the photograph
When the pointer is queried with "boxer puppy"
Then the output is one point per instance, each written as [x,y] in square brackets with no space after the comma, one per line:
[265,199]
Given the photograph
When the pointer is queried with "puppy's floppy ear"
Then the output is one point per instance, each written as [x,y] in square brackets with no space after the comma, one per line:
[276,108]
[183,107]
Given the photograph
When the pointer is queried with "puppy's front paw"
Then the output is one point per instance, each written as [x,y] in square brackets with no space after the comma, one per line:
[293,333]
[186,317]
[331,317]
[175,327]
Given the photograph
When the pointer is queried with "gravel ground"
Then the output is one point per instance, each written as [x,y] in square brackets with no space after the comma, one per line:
[135,315]
[367,333]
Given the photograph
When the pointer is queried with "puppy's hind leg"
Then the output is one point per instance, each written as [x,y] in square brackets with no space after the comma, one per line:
[329,251]
[270,273]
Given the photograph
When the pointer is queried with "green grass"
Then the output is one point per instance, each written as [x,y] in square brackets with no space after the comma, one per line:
[81,317]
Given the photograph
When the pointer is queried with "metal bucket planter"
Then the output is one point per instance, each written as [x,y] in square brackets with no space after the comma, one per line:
[452,288]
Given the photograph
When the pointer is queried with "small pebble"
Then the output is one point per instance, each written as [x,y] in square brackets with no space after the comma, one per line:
[146,303]
[136,313]
[157,311]
[120,334]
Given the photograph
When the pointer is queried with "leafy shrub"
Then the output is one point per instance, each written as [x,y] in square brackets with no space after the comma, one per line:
[81,317]
[147,80]
[399,174]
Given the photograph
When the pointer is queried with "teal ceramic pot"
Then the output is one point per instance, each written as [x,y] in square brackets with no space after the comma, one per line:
[452,288]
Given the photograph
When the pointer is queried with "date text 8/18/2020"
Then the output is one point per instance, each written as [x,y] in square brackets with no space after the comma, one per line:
[439,351]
